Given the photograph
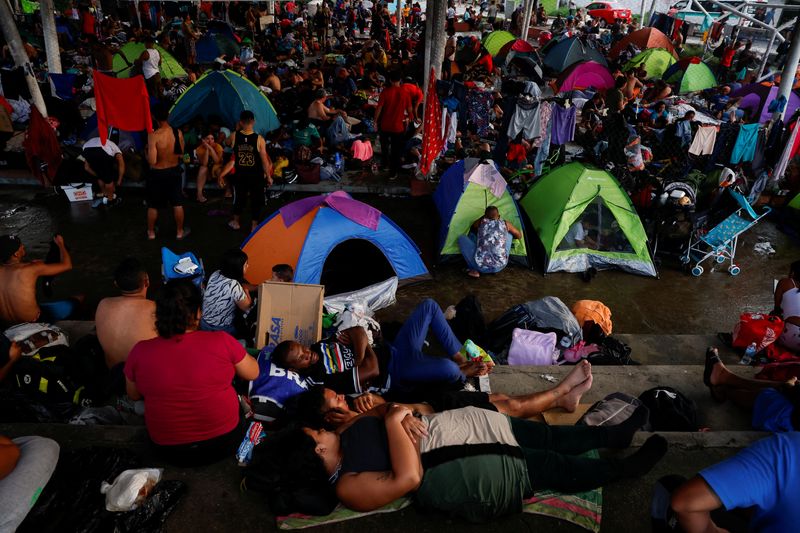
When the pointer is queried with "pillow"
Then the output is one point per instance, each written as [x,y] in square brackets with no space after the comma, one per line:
[273,387]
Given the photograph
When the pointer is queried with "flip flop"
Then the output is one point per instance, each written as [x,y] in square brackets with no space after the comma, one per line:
[186,232]
[712,358]
[203,201]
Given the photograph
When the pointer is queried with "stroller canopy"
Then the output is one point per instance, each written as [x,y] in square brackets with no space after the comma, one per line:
[128,54]
[225,94]
[466,189]
[575,205]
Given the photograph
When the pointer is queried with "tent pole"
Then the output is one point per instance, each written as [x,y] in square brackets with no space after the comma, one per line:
[766,56]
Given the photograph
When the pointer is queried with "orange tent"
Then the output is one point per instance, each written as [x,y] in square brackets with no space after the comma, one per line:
[643,39]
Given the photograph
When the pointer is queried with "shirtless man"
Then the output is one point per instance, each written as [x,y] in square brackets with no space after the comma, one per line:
[317,110]
[18,283]
[124,320]
[163,186]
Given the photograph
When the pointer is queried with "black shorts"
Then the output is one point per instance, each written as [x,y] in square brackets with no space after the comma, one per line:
[448,400]
[164,188]
[101,163]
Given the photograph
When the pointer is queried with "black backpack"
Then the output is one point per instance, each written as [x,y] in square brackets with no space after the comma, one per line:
[499,331]
[48,376]
[469,322]
[669,409]
[611,352]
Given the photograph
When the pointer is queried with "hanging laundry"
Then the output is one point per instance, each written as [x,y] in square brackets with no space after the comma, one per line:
[62,85]
[745,148]
[704,139]
[479,105]
[432,139]
[723,146]
[525,119]
[121,103]
[545,114]
[563,128]
[42,151]
[362,150]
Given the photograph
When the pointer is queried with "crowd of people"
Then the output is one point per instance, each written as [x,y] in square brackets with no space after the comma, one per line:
[378,419]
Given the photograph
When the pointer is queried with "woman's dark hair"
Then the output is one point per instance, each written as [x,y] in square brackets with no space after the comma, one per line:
[232,264]
[177,305]
[287,468]
[794,268]
[306,408]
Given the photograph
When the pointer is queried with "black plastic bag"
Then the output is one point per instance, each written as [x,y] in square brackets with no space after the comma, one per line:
[152,514]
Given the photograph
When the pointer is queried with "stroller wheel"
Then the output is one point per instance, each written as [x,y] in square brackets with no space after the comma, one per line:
[697,271]
[685,259]
[720,259]
[734,270]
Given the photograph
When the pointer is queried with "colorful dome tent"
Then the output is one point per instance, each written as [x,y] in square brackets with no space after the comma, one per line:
[219,39]
[576,203]
[325,235]
[512,48]
[225,94]
[643,39]
[690,75]
[757,98]
[585,75]
[124,59]
[569,51]
[655,60]
[497,40]
[466,189]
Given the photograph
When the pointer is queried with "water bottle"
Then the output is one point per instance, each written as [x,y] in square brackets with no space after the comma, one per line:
[749,354]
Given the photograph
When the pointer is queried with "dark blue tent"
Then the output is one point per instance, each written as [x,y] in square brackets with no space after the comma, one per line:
[219,39]
[570,51]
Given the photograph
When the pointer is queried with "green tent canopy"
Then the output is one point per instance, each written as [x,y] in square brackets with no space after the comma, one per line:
[585,219]
[462,197]
[690,75]
[795,203]
[655,60]
[128,54]
[497,40]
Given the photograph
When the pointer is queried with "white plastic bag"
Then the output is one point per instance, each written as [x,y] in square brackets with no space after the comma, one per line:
[130,488]
[31,336]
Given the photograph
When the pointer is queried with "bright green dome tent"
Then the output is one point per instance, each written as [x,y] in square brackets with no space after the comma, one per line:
[125,57]
[655,60]
[690,75]
[585,219]
[497,40]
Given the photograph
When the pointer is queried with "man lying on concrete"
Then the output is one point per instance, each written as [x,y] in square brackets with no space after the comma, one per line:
[320,406]
[349,365]
[18,279]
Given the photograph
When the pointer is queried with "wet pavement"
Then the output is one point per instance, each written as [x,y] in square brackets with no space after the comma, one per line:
[674,303]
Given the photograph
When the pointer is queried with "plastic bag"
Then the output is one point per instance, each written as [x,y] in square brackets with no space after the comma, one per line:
[532,348]
[130,488]
[152,514]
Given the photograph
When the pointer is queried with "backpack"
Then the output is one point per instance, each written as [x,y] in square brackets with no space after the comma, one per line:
[32,336]
[669,410]
[611,352]
[612,410]
[500,330]
[469,322]
[47,376]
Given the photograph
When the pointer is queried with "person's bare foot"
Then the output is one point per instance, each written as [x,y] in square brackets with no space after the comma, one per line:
[569,402]
[473,273]
[579,373]
[472,369]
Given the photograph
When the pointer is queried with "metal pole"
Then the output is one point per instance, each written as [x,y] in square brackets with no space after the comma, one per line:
[138,15]
[47,10]
[641,15]
[399,18]
[744,16]
[766,56]
[11,34]
[789,71]
[526,21]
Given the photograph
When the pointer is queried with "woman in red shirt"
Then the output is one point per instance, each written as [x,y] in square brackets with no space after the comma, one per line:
[185,377]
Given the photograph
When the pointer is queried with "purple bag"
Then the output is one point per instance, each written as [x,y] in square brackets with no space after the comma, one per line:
[532,348]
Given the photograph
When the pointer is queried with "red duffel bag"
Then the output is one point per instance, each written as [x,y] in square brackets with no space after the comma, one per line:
[758,328]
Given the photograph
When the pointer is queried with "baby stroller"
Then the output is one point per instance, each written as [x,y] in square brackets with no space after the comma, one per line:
[183,266]
[720,241]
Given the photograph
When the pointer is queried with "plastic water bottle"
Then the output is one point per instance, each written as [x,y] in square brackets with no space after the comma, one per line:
[749,354]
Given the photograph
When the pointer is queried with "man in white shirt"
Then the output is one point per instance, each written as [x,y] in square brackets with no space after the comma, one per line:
[151,65]
[105,163]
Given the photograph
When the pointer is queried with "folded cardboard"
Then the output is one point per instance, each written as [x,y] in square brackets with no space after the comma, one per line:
[289,311]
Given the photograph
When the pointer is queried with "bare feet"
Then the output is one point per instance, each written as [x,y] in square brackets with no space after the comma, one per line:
[569,402]
[472,369]
[473,273]
[577,375]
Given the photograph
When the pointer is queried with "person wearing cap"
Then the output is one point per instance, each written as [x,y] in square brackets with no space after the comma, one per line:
[246,53]
[343,85]
[18,283]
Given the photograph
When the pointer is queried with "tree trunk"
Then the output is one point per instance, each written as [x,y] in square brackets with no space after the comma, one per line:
[11,34]
[47,10]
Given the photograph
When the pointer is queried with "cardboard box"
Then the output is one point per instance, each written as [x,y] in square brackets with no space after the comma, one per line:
[289,311]
[80,192]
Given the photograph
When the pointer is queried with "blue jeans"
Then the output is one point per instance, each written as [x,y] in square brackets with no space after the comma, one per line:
[468,245]
[205,326]
[409,365]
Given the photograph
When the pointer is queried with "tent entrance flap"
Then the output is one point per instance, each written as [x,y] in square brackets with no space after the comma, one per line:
[353,265]
[596,228]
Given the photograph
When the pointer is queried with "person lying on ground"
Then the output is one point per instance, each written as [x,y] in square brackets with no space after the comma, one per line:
[772,402]
[787,305]
[18,277]
[472,463]
[122,321]
[226,292]
[26,464]
[320,406]
[349,365]
[184,376]
[764,478]
[488,251]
